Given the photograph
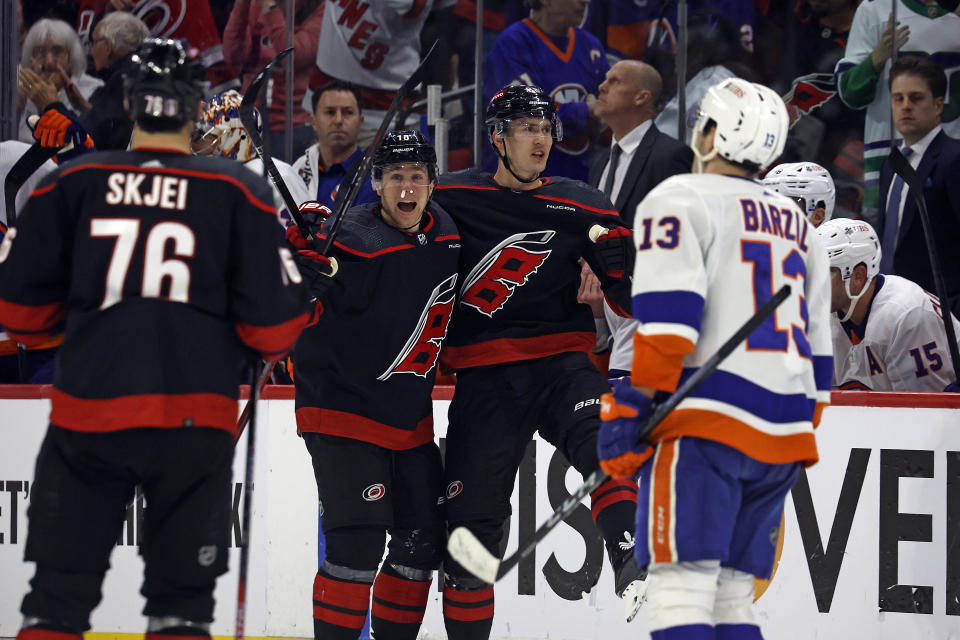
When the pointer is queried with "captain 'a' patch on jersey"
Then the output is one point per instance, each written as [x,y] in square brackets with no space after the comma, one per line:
[509,265]
[419,354]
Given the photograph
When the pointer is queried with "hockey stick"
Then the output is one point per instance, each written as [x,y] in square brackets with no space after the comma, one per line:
[361,170]
[261,383]
[31,160]
[904,169]
[247,503]
[466,549]
[250,124]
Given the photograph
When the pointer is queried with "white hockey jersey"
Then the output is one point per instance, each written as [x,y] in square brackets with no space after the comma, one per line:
[933,32]
[290,177]
[712,249]
[901,345]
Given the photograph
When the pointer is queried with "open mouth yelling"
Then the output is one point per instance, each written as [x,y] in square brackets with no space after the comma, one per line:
[407,207]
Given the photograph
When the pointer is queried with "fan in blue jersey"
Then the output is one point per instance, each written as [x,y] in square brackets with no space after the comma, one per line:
[548,50]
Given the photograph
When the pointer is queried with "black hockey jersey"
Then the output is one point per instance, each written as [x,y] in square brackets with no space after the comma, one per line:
[161,268]
[366,369]
[519,269]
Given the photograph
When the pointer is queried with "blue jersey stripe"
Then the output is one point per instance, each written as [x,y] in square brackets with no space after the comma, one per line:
[681,307]
[823,372]
[767,405]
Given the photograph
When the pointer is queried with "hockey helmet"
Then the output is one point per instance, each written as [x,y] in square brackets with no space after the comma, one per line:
[751,122]
[404,146]
[164,85]
[807,181]
[220,124]
[517,101]
[849,243]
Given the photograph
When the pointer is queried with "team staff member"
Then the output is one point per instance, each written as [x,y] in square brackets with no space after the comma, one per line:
[162,269]
[364,376]
[519,342]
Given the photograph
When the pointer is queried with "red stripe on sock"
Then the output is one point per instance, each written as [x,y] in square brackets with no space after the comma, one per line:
[411,593]
[613,496]
[461,614]
[611,485]
[455,595]
[349,595]
[36,633]
[385,612]
[339,618]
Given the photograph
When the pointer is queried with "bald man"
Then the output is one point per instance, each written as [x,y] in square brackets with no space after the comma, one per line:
[640,158]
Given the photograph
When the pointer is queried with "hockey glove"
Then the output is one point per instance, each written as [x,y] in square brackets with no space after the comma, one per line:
[59,127]
[314,213]
[623,413]
[613,250]
[317,270]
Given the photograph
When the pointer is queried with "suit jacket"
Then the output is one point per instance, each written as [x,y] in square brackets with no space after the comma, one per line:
[657,158]
[939,172]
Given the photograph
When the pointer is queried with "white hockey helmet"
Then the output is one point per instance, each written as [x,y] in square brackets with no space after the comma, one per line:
[849,243]
[806,180]
[751,122]
[220,121]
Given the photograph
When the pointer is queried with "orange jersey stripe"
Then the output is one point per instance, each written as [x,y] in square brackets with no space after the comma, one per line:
[658,360]
[660,521]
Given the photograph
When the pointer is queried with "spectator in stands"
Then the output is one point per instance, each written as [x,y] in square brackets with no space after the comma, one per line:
[337,119]
[802,45]
[640,158]
[255,33]
[714,53]
[918,87]
[888,333]
[548,50]
[114,39]
[374,45]
[922,28]
[51,53]
[191,21]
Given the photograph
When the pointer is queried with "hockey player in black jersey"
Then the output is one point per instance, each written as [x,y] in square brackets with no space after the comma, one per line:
[163,270]
[518,342]
[364,376]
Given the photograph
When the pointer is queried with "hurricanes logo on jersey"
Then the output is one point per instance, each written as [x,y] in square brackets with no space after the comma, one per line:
[507,266]
[419,354]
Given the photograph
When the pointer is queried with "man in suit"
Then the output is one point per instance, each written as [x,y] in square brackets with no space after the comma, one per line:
[917,89]
[641,157]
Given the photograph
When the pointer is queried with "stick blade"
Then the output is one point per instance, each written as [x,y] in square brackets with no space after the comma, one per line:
[472,555]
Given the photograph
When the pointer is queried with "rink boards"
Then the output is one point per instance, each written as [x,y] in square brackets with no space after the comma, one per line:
[872,537]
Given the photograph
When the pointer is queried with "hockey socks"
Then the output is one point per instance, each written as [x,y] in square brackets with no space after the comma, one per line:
[614,505]
[467,615]
[738,632]
[399,602]
[339,607]
[685,632]
[42,630]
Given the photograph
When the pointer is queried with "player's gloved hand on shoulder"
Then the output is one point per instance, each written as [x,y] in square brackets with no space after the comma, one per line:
[623,413]
[60,127]
[953,387]
[318,270]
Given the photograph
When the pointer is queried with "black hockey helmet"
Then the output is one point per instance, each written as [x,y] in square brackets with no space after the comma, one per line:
[521,101]
[163,85]
[404,146]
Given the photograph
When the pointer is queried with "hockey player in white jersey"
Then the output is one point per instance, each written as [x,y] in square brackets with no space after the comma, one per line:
[712,248]
[219,130]
[809,185]
[888,332]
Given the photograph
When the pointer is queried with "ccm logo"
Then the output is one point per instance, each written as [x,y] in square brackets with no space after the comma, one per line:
[374,492]
[586,403]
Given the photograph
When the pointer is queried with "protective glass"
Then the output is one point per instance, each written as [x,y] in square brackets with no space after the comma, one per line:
[528,127]
[403,176]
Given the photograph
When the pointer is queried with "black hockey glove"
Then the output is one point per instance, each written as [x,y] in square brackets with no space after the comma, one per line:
[611,257]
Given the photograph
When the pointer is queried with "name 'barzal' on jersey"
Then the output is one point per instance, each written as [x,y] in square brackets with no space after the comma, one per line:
[778,221]
[166,192]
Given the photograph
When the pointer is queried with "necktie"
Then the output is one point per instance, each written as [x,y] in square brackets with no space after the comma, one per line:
[891,220]
[612,170]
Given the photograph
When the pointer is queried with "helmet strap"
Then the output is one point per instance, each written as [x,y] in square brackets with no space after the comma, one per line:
[854,299]
[700,159]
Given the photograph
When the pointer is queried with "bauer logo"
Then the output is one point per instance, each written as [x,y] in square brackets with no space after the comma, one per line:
[374,492]
[454,489]
[586,403]
[207,555]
